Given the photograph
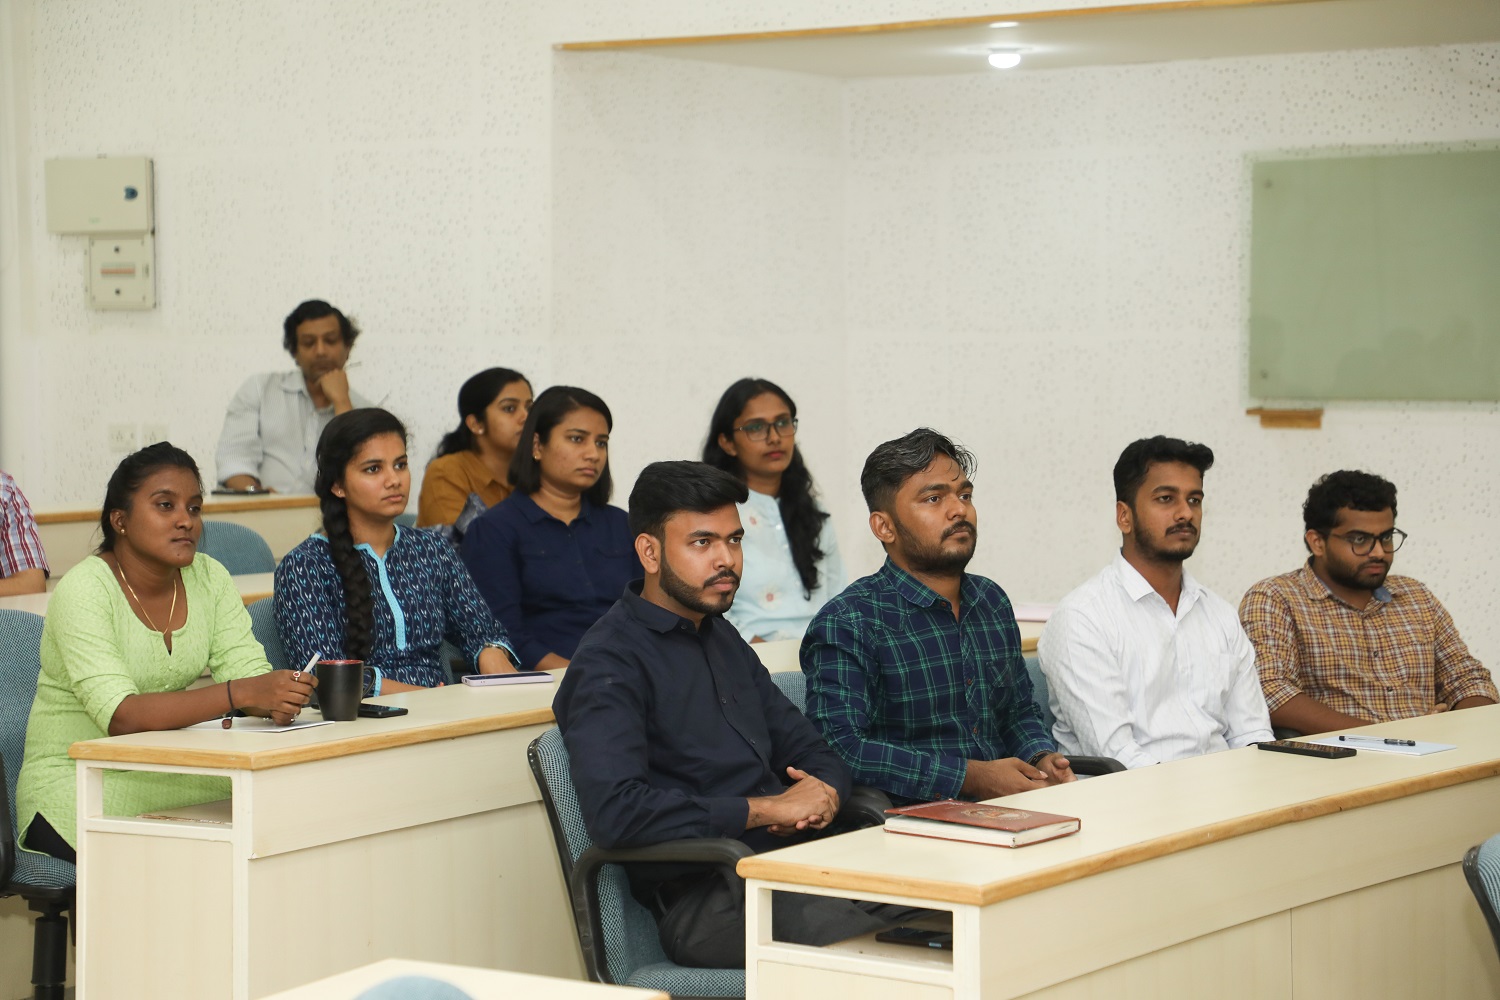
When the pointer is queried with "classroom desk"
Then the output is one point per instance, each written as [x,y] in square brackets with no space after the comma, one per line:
[481,984]
[1243,874]
[421,836]
[252,587]
[283,520]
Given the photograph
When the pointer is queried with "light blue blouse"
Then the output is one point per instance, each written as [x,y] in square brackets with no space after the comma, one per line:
[770,602]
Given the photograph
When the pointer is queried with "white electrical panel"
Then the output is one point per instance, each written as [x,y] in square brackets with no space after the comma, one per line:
[122,272]
[105,194]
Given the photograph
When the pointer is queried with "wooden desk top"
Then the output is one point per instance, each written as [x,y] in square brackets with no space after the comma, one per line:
[436,714]
[252,587]
[211,505]
[1144,814]
[482,984]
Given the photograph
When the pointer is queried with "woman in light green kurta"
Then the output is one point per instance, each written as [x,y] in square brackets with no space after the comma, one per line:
[127,631]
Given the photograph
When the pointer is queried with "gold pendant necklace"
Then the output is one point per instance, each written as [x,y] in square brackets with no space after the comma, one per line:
[171,613]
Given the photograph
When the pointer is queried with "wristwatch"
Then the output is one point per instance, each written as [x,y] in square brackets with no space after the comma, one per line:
[1040,756]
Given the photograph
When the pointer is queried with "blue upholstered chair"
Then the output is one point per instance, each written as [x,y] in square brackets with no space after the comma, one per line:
[1482,871]
[263,624]
[617,934]
[407,520]
[1081,764]
[866,805]
[239,548]
[414,988]
[45,883]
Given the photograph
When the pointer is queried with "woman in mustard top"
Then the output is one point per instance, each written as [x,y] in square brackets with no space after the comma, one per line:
[469,473]
[128,629]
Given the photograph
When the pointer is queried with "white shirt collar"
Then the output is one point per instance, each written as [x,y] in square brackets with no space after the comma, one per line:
[1137,586]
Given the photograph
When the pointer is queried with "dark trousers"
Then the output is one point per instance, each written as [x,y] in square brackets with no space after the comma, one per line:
[704,921]
[41,836]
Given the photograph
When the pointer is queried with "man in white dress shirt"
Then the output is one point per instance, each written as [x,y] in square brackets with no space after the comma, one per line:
[271,430]
[1142,663]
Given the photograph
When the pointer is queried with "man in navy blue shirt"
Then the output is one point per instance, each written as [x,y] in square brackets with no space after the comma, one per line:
[675,729]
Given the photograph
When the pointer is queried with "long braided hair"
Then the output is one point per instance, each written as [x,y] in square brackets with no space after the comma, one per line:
[336,449]
[797,499]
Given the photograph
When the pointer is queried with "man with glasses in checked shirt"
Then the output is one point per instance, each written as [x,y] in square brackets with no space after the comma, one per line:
[1340,643]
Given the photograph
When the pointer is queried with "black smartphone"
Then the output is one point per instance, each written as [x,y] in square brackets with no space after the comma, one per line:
[917,936]
[372,711]
[1306,749]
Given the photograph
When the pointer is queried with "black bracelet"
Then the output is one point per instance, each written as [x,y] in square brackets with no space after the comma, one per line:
[230,692]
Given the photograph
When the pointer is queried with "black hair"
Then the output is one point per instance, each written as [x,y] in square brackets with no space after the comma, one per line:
[336,448]
[800,513]
[896,461]
[474,397]
[666,488]
[1139,456]
[128,476]
[1345,489]
[547,411]
[315,309]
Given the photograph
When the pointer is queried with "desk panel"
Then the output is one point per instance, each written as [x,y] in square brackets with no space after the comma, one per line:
[1223,859]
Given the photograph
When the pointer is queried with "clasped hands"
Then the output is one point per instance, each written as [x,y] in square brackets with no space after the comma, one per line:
[806,804]
[989,779]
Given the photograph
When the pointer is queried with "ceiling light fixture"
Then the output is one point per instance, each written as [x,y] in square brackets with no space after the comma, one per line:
[1005,58]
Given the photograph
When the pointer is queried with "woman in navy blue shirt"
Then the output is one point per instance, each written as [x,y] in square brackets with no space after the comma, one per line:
[554,555]
[368,589]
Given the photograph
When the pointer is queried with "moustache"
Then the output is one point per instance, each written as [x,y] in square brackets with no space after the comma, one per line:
[1184,529]
[728,574]
[960,526]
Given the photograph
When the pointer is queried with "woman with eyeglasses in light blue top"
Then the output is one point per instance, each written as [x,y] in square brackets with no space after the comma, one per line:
[792,565]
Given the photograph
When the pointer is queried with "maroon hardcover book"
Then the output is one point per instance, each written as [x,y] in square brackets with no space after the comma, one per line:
[977,823]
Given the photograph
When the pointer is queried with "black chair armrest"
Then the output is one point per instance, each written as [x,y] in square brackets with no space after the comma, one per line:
[866,807]
[583,883]
[1094,765]
[1283,733]
[7,835]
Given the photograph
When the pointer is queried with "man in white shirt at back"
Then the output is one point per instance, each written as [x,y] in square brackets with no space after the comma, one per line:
[271,430]
[1142,663]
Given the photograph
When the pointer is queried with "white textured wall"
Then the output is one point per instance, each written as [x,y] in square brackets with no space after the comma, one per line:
[1044,265]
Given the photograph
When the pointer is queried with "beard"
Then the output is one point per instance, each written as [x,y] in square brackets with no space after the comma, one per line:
[926,558]
[696,598]
[1352,579]
[1158,551]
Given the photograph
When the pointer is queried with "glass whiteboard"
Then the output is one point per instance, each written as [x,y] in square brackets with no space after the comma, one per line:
[1376,277]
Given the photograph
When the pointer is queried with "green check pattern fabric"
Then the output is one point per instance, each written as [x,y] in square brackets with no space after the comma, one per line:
[906,694]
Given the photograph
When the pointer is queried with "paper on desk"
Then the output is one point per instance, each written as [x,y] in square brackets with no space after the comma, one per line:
[1032,612]
[257,725]
[1420,750]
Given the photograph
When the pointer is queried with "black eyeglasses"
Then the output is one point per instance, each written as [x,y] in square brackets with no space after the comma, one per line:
[756,430]
[1362,543]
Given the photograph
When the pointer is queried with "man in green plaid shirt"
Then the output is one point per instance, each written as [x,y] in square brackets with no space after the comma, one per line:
[915,674]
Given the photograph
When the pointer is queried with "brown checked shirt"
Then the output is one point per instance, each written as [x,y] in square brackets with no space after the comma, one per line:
[1399,656]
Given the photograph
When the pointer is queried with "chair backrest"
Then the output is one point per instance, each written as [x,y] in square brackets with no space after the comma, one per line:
[1039,690]
[407,519]
[239,548]
[263,624]
[1482,872]
[626,938]
[20,662]
[793,684]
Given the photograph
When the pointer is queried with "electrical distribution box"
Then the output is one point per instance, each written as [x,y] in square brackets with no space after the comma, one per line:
[109,200]
[106,194]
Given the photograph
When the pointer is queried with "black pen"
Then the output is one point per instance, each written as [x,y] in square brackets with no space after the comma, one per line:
[1377,739]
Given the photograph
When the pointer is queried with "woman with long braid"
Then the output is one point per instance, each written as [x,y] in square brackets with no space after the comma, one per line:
[367,589]
[128,630]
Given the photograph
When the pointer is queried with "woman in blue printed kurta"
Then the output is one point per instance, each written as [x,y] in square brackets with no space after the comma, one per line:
[366,589]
